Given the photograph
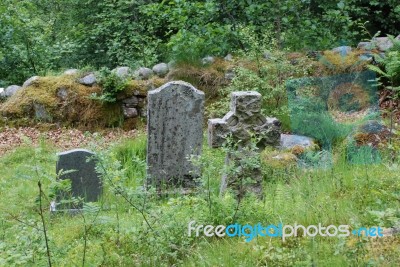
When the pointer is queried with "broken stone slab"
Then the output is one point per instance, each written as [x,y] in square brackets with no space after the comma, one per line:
[217,132]
[243,121]
[30,81]
[2,93]
[88,80]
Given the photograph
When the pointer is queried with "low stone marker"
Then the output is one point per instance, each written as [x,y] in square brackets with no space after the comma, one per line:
[175,132]
[77,166]
[243,123]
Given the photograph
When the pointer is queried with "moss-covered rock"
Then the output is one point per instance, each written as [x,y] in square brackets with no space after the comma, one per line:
[64,100]
[140,87]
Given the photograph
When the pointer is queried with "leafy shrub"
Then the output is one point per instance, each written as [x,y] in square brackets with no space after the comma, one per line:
[390,66]
[111,85]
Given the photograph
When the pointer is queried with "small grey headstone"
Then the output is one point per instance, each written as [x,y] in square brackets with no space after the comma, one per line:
[85,182]
[175,131]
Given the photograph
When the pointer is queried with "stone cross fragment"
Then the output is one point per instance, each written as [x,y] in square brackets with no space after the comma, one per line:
[77,166]
[175,132]
[243,122]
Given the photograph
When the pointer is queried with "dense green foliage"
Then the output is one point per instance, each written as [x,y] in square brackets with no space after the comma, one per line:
[41,35]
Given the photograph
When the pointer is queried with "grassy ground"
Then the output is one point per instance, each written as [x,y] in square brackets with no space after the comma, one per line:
[129,228]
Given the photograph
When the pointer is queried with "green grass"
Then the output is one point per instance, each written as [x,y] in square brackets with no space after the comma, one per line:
[358,195]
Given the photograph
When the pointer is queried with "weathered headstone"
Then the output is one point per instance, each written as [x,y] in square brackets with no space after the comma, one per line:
[175,132]
[78,165]
[242,124]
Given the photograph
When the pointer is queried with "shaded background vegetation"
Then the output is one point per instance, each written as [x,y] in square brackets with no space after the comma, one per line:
[39,36]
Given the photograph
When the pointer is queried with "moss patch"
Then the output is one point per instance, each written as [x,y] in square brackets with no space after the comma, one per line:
[278,159]
[334,63]
[140,87]
[208,78]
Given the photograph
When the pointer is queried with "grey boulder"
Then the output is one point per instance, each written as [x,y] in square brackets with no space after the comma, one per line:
[207,60]
[365,45]
[228,57]
[342,50]
[161,69]
[88,80]
[143,73]
[11,90]
[130,112]
[30,81]
[131,102]
[122,72]
[288,141]
[384,43]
